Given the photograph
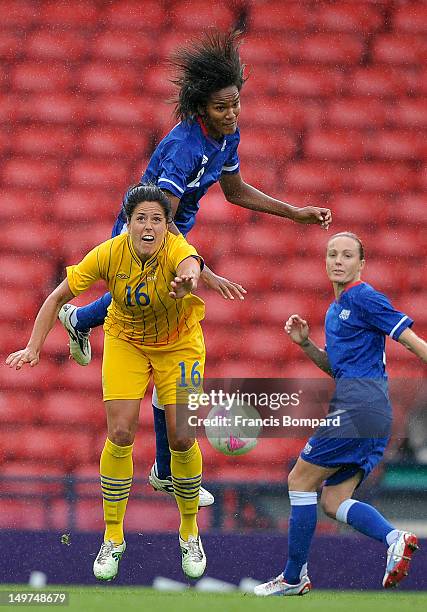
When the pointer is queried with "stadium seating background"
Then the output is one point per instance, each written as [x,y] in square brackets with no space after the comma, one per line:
[333,113]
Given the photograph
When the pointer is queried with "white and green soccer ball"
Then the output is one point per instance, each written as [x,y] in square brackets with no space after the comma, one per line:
[235,431]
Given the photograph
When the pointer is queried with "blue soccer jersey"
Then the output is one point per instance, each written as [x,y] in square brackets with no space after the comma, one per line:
[187,162]
[356,326]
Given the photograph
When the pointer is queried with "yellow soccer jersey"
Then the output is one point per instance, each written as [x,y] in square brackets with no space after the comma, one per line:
[141,310]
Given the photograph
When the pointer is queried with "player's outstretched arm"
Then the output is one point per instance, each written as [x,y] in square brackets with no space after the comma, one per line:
[298,331]
[414,343]
[186,279]
[238,192]
[44,322]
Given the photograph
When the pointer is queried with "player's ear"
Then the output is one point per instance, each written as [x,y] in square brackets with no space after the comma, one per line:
[362,264]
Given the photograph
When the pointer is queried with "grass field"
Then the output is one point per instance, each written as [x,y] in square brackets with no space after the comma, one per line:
[112,599]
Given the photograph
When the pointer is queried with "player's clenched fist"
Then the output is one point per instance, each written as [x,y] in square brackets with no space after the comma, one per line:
[297,328]
[27,355]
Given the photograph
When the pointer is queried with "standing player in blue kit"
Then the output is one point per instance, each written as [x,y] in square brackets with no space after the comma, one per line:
[341,457]
[198,152]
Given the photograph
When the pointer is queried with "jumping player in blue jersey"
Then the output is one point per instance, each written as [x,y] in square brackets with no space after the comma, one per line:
[340,458]
[198,152]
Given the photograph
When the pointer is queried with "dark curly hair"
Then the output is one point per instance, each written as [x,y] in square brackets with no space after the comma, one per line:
[205,66]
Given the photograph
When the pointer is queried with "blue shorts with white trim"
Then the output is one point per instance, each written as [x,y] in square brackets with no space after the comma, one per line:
[351,455]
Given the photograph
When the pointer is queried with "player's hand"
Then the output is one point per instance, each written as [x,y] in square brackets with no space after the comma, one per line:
[297,328]
[228,289]
[27,355]
[313,214]
[182,286]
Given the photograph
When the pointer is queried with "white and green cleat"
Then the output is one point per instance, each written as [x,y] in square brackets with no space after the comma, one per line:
[80,349]
[193,557]
[106,564]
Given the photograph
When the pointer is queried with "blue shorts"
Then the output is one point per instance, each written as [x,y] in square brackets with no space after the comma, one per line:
[351,455]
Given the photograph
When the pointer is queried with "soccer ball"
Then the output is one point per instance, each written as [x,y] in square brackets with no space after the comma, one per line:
[234,431]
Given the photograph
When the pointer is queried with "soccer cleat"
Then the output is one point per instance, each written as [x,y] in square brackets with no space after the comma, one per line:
[80,349]
[278,586]
[399,556]
[193,557]
[106,564]
[165,486]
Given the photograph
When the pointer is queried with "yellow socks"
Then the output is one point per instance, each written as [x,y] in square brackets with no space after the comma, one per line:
[116,468]
[186,468]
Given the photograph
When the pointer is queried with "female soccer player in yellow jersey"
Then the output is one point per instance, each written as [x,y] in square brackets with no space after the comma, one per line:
[152,327]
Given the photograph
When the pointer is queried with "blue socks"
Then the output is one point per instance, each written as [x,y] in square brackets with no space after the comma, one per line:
[302,524]
[93,314]
[367,520]
[163,455]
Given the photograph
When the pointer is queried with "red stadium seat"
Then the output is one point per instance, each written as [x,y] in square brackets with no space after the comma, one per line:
[18,204]
[397,145]
[18,13]
[116,45]
[216,209]
[395,242]
[80,206]
[275,49]
[414,305]
[364,209]
[73,409]
[38,238]
[223,311]
[380,177]
[264,343]
[377,271]
[409,209]
[309,81]
[10,45]
[334,144]
[35,77]
[37,444]
[222,341]
[52,45]
[106,174]
[261,176]
[193,15]
[280,16]
[276,308]
[264,145]
[246,270]
[342,49]
[39,479]
[86,379]
[302,369]
[15,305]
[314,176]
[52,107]
[357,112]
[157,81]
[411,17]
[250,473]
[127,110]
[90,235]
[44,141]
[134,15]
[392,48]
[18,408]
[348,17]
[299,272]
[376,81]
[79,14]
[274,112]
[32,174]
[101,77]
[261,239]
[409,113]
[22,271]
[422,178]
[22,514]
[123,143]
